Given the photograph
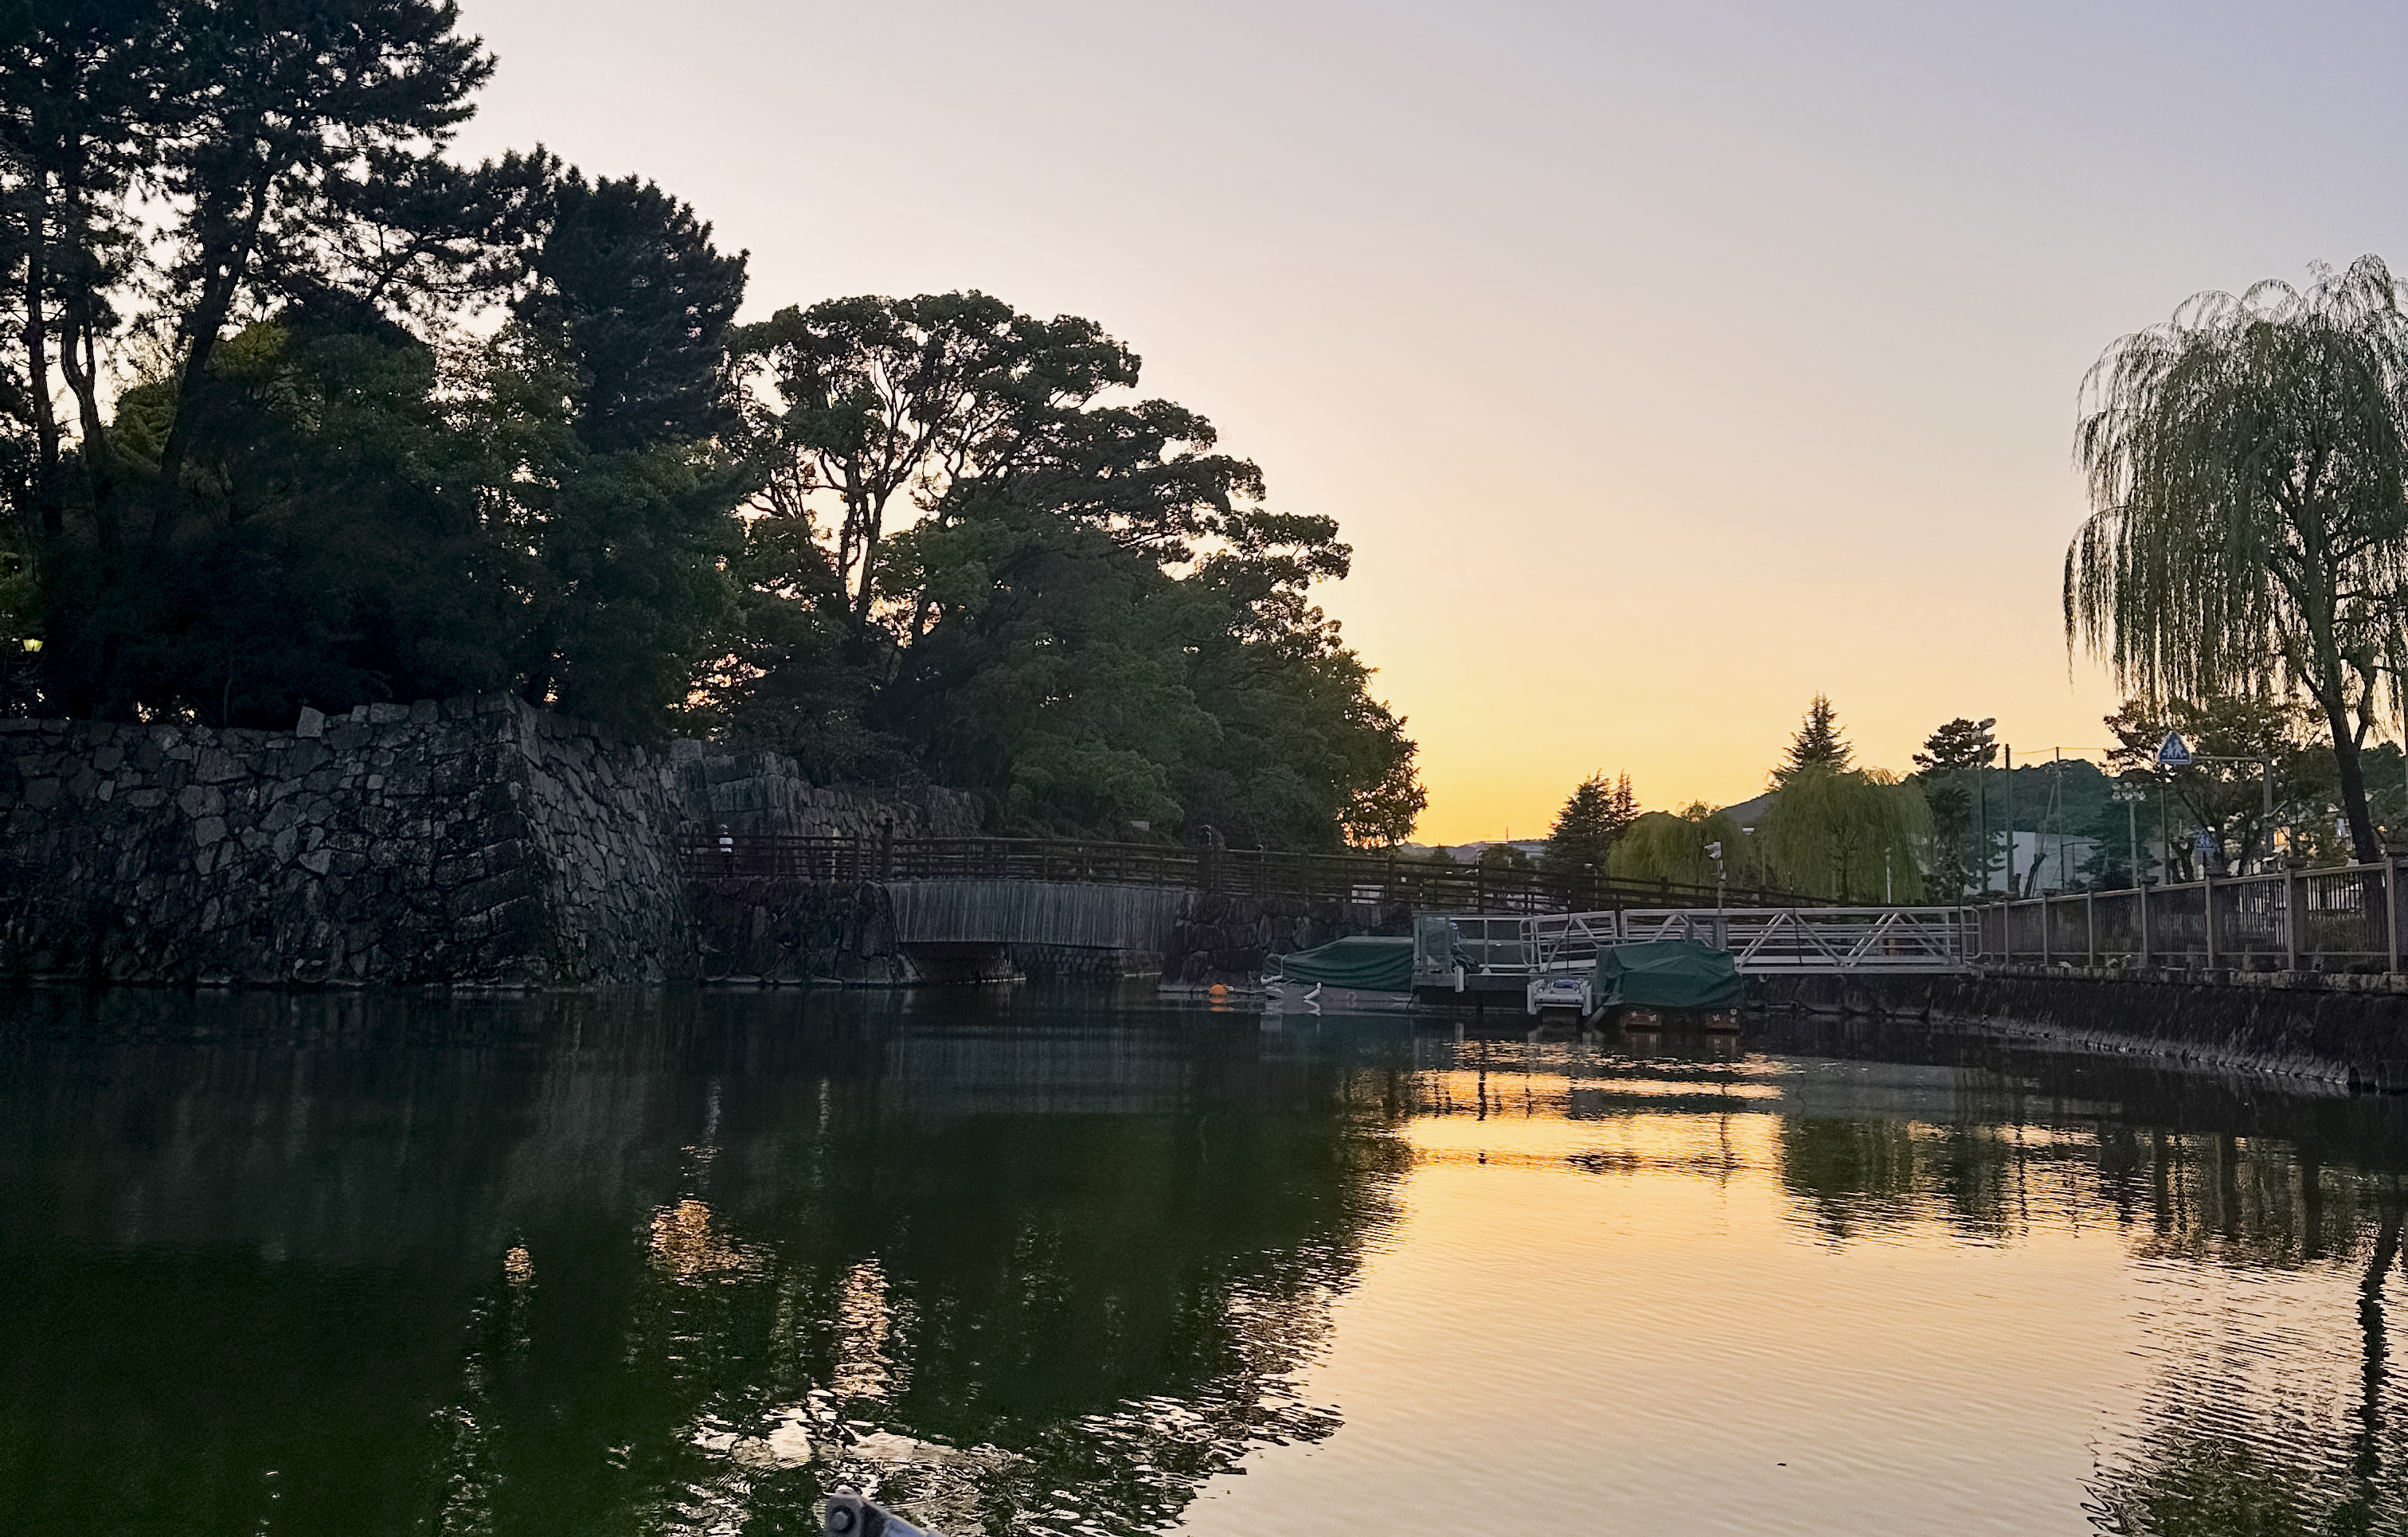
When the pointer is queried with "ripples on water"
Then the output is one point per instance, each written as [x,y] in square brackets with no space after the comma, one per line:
[1048,1263]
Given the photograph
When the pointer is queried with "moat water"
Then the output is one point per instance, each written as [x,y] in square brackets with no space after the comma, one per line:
[1061,1263]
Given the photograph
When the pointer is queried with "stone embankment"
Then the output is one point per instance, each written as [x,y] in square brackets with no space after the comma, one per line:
[474,841]
[1224,940]
[480,842]
[751,792]
[781,932]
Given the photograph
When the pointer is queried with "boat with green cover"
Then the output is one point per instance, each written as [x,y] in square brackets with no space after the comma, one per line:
[1668,974]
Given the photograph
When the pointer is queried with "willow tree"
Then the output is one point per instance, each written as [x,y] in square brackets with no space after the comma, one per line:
[1856,833]
[1677,846]
[2248,464]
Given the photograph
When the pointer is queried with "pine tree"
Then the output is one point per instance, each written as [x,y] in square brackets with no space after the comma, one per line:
[1593,816]
[1943,770]
[1818,747]
[1960,745]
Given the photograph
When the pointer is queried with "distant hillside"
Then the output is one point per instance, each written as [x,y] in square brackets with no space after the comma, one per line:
[1747,812]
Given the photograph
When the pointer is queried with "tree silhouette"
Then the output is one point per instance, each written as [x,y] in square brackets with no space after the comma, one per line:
[1594,818]
[1817,745]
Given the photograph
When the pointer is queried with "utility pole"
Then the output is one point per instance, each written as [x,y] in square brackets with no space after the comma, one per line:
[2133,831]
[2064,876]
[2132,795]
[2165,831]
[2011,821]
[1981,820]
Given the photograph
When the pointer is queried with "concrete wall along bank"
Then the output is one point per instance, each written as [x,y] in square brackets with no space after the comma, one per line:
[471,842]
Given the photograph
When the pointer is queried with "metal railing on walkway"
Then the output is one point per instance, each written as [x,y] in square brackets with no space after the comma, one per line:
[1824,941]
[1781,941]
[1384,879]
[2343,919]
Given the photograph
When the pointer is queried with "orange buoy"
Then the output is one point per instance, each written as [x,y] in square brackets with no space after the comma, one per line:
[1218,989]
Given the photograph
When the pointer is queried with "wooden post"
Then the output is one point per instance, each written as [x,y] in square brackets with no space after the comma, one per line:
[2142,887]
[2090,927]
[2044,948]
[2207,911]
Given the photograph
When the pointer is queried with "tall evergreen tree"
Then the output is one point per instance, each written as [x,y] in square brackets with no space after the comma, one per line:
[1949,755]
[1817,747]
[1593,819]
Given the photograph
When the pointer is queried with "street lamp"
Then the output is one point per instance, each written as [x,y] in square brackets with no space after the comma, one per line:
[2132,795]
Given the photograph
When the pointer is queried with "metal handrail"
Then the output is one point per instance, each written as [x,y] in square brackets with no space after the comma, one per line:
[1763,942]
[2343,917]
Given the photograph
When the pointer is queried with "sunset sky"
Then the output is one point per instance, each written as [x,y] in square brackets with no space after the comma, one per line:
[1663,364]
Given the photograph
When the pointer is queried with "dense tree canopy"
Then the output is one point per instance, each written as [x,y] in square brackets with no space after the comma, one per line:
[971,555]
[1856,835]
[1945,772]
[295,409]
[2226,797]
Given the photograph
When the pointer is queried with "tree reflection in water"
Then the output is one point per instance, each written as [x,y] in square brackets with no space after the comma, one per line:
[569,1266]
[2249,1429]
[313,1264]
[2262,1228]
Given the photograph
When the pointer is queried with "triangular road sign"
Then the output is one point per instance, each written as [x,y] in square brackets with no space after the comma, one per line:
[2171,754]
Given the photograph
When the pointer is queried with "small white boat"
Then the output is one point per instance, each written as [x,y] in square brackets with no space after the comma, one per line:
[1560,990]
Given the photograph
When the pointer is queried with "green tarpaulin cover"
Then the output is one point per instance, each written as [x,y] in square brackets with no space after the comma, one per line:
[1368,963]
[1668,974]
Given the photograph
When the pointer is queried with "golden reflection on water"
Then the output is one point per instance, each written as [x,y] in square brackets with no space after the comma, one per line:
[687,1245]
[865,1326]
[1607,1309]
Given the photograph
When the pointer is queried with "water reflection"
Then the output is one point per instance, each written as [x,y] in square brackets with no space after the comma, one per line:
[2261,1227]
[1054,1264]
[565,1266]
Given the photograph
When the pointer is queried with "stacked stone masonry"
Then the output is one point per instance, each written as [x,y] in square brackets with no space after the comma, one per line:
[749,792]
[475,840]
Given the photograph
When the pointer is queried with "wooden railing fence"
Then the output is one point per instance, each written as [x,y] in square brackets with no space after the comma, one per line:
[1422,883]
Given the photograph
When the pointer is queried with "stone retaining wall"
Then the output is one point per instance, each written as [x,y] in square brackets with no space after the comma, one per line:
[1224,940]
[752,793]
[475,840]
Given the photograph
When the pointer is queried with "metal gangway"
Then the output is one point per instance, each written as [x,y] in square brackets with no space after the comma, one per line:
[1456,951]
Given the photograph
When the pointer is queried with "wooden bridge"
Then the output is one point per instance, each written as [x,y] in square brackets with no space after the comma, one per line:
[1382,880]
[983,907]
